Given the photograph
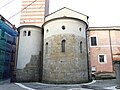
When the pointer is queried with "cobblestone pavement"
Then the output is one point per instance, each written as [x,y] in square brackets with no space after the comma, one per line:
[98,85]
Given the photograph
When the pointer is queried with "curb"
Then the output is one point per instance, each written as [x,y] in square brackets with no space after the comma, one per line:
[23,86]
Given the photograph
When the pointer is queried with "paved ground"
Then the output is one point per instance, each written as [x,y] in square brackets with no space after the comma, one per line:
[95,85]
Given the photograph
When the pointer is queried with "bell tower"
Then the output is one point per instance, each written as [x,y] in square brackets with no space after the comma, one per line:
[34,12]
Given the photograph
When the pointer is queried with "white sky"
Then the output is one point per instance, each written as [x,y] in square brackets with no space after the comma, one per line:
[100,12]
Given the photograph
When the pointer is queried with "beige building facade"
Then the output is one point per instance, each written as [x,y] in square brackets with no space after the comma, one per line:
[34,12]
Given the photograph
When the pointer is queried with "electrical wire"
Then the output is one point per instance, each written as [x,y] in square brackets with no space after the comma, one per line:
[22,9]
[6,4]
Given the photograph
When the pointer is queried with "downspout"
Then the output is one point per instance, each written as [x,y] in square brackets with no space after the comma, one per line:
[42,55]
[110,46]
[87,50]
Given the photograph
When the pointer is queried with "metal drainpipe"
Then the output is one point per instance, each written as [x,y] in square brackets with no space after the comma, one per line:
[88,63]
[110,46]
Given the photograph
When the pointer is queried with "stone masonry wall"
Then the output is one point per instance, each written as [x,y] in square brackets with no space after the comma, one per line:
[65,67]
[31,72]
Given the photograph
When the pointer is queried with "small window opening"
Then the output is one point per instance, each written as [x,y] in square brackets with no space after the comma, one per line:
[81,47]
[63,27]
[63,45]
[80,28]
[47,48]
[101,58]
[24,33]
[29,33]
[47,30]
[93,41]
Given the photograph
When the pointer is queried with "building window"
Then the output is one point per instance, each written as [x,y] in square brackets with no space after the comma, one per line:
[81,47]
[80,28]
[29,33]
[24,33]
[102,58]
[63,27]
[93,41]
[47,48]
[63,45]
[47,30]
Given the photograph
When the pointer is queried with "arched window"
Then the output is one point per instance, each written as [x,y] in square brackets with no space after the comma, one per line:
[80,28]
[46,48]
[63,45]
[29,33]
[63,27]
[81,47]
[24,33]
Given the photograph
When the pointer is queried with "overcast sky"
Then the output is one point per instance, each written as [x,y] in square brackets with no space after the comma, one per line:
[100,12]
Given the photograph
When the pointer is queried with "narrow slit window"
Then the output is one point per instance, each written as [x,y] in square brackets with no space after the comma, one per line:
[29,33]
[63,45]
[80,28]
[81,47]
[47,48]
[24,33]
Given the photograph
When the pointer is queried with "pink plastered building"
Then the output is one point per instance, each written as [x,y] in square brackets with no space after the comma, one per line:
[104,44]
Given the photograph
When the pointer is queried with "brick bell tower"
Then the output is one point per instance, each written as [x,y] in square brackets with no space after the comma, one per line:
[35,12]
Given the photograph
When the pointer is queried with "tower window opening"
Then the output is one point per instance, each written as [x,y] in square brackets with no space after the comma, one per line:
[24,33]
[63,27]
[81,47]
[80,28]
[63,45]
[46,47]
[47,30]
[29,33]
